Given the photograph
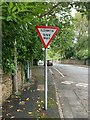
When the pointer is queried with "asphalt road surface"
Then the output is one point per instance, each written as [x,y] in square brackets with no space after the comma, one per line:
[71,83]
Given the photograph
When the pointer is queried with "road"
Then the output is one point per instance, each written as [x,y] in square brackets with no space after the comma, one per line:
[71,83]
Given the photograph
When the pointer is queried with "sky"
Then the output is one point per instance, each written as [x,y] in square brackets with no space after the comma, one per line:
[73,11]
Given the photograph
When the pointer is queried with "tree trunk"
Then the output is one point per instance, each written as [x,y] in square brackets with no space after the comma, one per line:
[15,72]
[22,74]
[88,9]
[32,61]
[89,27]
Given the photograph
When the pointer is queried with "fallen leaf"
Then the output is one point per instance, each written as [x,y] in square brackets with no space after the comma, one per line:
[30,113]
[18,110]
[8,114]
[20,99]
[37,110]
[16,97]
[51,98]
[42,102]
[11,107]
[1,107]
[8,101]
[12,116]
[21,103]
[38,97]
[43,114]
[37,101]
[28,88]
[27,99]
[39,105]
[42,107]
[57,103]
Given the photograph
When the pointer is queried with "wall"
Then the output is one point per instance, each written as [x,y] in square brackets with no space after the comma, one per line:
[75,62]
[7,86]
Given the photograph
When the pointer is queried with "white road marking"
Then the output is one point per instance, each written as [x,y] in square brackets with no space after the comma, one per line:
[57,98]
[82,84]
[67,82]
[51,71]
[59,72]
[83,67]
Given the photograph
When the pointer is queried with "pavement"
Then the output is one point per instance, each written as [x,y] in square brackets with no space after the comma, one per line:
[30,102]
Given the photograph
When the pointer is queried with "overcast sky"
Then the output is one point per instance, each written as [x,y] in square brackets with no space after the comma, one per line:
[73,12]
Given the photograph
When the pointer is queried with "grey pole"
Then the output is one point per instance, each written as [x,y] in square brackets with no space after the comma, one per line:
[45,86]
[28,71]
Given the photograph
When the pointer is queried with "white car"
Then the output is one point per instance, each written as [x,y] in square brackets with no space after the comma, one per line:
[40,62]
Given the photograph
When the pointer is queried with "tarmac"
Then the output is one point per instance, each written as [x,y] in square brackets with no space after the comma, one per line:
[30,102]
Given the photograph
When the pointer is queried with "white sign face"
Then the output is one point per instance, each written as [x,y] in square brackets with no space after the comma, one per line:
[46,34]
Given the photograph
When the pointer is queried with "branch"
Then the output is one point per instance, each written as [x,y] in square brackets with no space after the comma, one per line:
[50,11]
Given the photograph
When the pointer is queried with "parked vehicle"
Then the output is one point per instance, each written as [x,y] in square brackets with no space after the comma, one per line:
[40,62]
[49,62]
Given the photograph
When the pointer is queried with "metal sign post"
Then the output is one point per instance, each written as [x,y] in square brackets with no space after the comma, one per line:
[45,75]
[46,34]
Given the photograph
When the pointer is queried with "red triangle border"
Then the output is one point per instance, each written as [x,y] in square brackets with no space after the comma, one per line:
[39,34]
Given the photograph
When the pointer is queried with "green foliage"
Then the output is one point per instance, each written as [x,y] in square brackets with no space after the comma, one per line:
[81,35]
[69,53]
[8,66]
[82,54]
[63,41]
[72,29]
[83,8]
[18,24]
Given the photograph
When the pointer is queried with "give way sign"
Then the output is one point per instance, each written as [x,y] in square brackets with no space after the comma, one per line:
[46,34]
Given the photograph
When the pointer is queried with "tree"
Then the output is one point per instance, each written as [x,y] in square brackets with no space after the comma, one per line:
[65,49]
[63,41]
[81,36]
[20,42]
[84,9]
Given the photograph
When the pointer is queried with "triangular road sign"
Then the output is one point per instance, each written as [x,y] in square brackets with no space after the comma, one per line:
[46,34]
